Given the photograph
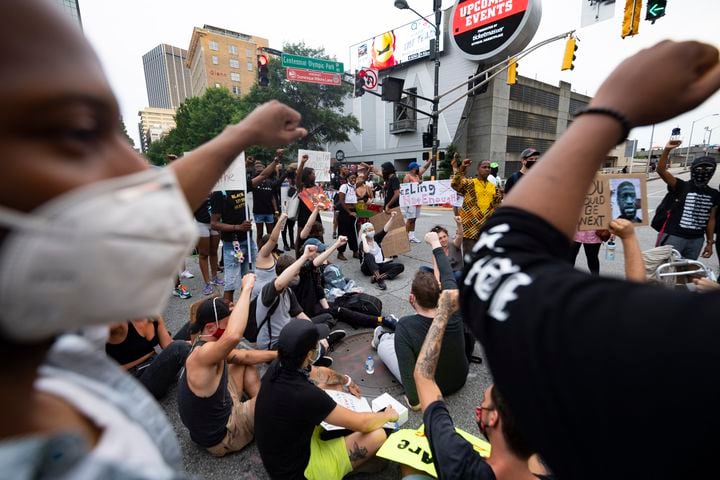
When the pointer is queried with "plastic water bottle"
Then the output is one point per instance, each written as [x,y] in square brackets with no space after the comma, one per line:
[369,365]
[610,251]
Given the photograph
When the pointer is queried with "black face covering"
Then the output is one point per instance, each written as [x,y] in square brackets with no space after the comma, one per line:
[702,174]
[529,164]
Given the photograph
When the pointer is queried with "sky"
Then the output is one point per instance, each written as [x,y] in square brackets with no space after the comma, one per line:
[121,32]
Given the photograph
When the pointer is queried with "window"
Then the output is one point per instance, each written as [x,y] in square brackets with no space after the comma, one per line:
[250,66]
[233,49]
[534,96]
[249,52]
[234,63]
[217,85]
[215,60]
[236,89]
[213,45]
[235,77]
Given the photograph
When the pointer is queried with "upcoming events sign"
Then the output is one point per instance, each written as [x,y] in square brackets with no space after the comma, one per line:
[614,196]
[319,161]
[427,193]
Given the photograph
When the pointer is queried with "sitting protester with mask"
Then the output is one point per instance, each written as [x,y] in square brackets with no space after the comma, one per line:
[81,218]
[374,264]
[217,375]
[132,344]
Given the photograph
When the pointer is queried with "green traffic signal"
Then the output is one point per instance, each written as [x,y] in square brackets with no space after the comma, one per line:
[655,9]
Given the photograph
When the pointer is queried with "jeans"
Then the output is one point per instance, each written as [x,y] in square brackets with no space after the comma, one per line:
[161,371]
[264,218]
[689,248]
[456,273]
[234,270]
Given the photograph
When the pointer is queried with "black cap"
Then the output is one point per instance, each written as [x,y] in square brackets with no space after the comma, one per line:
[703,161]
[299,336]
[209,311]
[529,152]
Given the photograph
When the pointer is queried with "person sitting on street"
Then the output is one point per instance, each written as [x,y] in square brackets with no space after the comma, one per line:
[290,408]
[452,250]
[132,344]
[310,290]
[374,264]
[399,351]
[217,375]
[266,260]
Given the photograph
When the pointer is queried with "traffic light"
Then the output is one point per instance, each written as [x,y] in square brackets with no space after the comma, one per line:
[569,56]
[359,89]
[262,67]
[512,72]
[655,10]
[631,18]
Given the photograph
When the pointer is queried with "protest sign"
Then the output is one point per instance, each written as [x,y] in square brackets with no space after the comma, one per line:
[396,240]
[315,196]
[411,447]
[318,161]
[606,195]
[367,210]
[234,177]
[435,192]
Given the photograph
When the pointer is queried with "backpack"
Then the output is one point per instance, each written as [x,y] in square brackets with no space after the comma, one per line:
[360,302]
[674,198]
[252,328]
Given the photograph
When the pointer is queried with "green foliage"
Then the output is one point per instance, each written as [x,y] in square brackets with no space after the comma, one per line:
[444,168]
[156,152]
[124,131]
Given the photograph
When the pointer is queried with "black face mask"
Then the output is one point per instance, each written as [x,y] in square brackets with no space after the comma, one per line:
[702,174]
[529,164]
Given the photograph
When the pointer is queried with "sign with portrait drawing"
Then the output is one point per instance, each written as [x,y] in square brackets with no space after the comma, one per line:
[614,196]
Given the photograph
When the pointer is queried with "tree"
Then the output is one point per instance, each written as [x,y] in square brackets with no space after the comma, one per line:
[320,105]
[124,131]
[444,167]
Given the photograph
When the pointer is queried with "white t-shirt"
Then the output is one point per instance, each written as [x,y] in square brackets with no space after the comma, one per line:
[376,252]
[350,195]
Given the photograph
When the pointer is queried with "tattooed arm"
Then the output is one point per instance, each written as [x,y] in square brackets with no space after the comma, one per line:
[424,374]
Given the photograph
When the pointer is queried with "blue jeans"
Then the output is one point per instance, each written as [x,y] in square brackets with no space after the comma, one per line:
[234,270]
[456,273]
[689,248]
[264,218]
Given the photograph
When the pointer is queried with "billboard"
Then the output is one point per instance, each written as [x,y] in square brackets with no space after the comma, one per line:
[401,45]
[595,11]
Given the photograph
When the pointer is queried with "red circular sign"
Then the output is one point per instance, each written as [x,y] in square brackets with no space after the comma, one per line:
[371,78]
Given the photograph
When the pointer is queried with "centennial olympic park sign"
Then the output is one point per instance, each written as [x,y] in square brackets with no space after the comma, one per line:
[494,29]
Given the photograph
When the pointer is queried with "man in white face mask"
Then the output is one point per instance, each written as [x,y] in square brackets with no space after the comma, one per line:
[77,202]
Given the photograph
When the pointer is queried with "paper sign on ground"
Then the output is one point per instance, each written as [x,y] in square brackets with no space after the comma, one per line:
[608,191]
[396,240]
[315,196]
[351,402]
[319,161]
[234,177]
[434,192]
[411,447]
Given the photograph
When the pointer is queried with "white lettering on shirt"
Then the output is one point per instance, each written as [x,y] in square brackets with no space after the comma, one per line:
[506,294]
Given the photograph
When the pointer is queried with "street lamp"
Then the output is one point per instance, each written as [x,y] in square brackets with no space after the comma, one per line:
[692,127]
[437,8]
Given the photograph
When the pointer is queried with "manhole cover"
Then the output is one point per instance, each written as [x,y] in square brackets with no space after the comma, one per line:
[349,358]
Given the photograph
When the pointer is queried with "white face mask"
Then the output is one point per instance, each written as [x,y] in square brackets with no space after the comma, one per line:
[370,234]
[101,253]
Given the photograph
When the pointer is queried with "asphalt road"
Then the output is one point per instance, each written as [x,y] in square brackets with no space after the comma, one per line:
[247,464]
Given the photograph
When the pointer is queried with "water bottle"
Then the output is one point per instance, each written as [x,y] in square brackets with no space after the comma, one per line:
[369,365]
[610,251]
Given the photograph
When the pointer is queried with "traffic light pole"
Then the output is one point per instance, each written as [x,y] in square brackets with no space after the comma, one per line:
[437,4]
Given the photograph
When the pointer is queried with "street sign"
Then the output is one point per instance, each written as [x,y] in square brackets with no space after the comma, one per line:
[307,63]
[312,76]
[371,79]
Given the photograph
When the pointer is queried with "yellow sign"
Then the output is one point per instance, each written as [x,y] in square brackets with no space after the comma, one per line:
[411,448]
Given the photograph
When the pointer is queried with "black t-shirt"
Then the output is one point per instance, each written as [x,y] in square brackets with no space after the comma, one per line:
[263,195]
[510,183]
[392,184]
[691,220]
[287,410]
[230,205]
[202,214]
[597,371]
[453,456]
[310,289]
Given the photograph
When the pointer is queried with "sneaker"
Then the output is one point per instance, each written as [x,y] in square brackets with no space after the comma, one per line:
[324,361]
[381,284]
[182,291]
[414,240]
[217,281]
[335,337]
[390,322]
[379,332]
[187,274]
[208,290]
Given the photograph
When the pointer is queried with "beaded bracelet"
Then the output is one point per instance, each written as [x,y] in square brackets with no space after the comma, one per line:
[624,122]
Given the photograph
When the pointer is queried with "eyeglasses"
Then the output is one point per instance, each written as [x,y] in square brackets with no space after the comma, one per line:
[480,408]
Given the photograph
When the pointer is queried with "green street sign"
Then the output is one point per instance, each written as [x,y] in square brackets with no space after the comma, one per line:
[307,63]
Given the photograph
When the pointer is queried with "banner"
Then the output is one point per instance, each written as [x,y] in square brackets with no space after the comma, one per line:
[411,447]
[435,192]
[319,161]
[234,177]
[614,196]
[396,240]
[315,196]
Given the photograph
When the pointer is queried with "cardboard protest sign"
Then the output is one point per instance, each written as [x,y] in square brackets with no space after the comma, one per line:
[614,196]
[396,240]
[433,192]
[234,177]
[411,447]
[315,196]
[318,161]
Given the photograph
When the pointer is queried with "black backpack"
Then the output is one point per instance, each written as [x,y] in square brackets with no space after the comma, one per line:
[360,302]
[673,199]
[252,328]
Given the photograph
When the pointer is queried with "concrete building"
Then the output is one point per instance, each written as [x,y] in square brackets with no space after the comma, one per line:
[167,77]
[222,58]
[72,9]
[154,124]
[496,125]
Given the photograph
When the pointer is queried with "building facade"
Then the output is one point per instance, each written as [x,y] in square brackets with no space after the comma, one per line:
[222,58]
[167,77]
[154,124]
[72,9]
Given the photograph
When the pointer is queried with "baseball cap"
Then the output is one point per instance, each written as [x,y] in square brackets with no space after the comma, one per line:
[299,336]
[413,165]
[210,310]
[494,165]
[529,152]
[703,161]
[314,241]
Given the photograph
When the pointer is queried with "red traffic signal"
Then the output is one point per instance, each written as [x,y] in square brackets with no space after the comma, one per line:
[262,60]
